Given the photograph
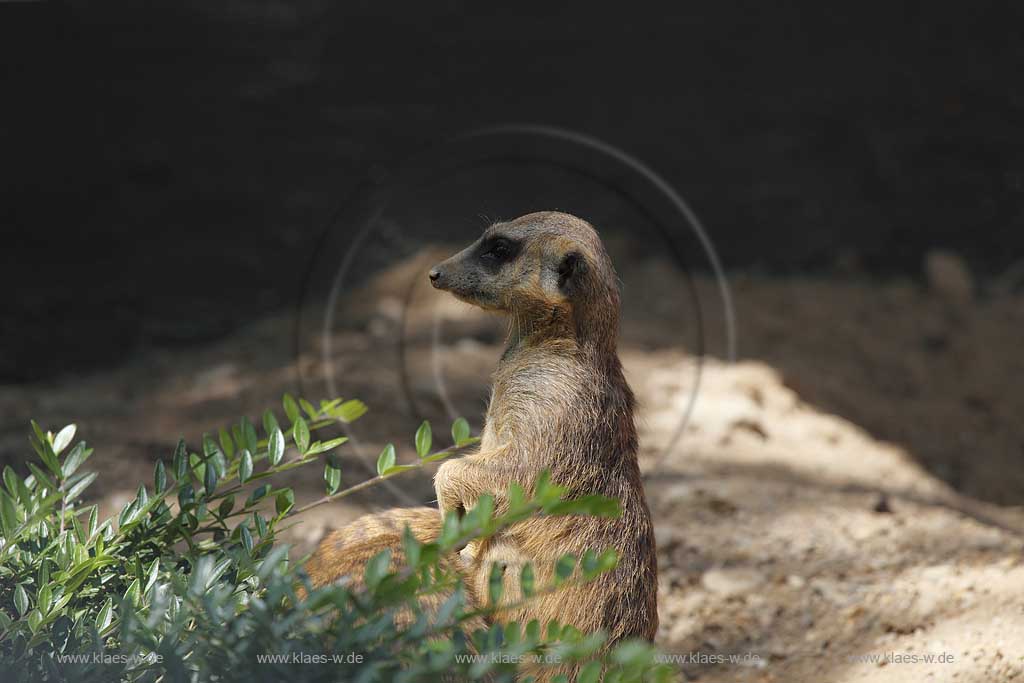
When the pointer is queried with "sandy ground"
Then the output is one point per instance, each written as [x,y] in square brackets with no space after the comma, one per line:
[839,507]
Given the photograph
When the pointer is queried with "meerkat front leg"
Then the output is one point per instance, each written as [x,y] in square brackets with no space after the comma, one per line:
[460,483]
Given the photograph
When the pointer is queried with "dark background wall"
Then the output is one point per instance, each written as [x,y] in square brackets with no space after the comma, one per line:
[160,159]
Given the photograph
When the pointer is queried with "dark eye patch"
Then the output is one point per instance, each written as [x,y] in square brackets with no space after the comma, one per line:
[498,249]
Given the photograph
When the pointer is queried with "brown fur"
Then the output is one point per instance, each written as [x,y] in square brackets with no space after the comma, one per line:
[559,402]
[343,554]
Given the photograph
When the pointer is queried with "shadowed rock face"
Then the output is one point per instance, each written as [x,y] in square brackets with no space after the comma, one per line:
[157,189]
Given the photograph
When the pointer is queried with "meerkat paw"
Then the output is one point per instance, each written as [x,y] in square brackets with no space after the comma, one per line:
[449,498]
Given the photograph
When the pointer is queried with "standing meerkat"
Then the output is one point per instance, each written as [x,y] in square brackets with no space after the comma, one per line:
[559,402]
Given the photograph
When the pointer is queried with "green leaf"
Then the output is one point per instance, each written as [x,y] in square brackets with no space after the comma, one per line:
[285,501]
[424,438]
[210,479]
[300,434]
[591,505]
[350,411]
[159,478]
[154,572]
[460,431]
[269,563]
[332,477]
[275,446]
[105,615]
[44,598]
[75,458]
[440,455]
[24,493]
[450,606]
[80,485]
[226,506]
[533,630]
[257,494]
[220,463]
[35,618]
[128,513]
[449,530]
[317,447]
[186,495]
[180,461]
[245,466]
[8,514]
[210,447]
[526,580]
[308,408]
[63,438]
[11,480]
[411,546]
[484,509]
[246,537]
[261,525]
[386,459]
[251,439]
[564,568]
[44,574]
[133,592]
[607,560]
[226,443]
[20,599]
[589,564]
[18,488]
[516,497]
[291,408]
[377,569]
[41,477]
[236,435]
[45,450]
[141,495]
[495,583]
[269,423]
[395,469]
[513,634]
[634,653]
[590,673]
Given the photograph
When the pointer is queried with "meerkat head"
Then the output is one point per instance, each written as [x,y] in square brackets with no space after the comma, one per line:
[548,271]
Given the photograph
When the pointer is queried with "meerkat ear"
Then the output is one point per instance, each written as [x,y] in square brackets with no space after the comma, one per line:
[570,270]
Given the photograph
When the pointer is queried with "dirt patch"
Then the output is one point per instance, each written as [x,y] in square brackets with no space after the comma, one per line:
[834,509]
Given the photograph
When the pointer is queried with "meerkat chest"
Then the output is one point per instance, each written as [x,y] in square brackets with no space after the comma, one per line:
[537,390]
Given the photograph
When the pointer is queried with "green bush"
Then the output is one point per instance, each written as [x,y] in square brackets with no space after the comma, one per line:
[188,583]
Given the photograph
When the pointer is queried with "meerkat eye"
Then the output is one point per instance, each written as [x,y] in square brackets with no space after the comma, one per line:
[498,249]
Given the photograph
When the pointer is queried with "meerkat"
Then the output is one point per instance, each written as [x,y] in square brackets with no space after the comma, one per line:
[559,402]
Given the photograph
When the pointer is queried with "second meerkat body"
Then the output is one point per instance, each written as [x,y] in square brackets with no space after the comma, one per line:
[559,402]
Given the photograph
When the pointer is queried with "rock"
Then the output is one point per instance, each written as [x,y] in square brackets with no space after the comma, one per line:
[666,535]
[730,582]
[682,628]
[948,276]
[882,505]
[796,581]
